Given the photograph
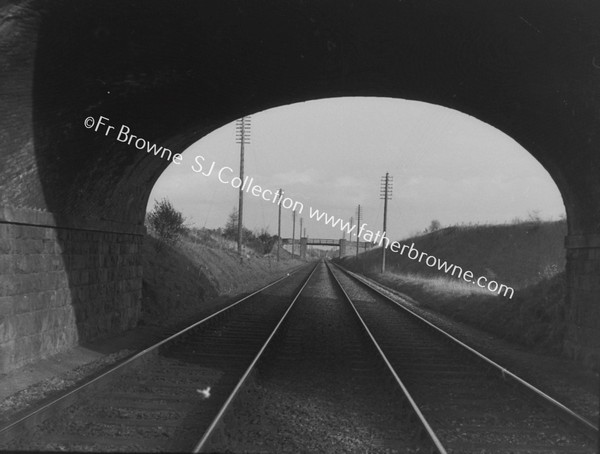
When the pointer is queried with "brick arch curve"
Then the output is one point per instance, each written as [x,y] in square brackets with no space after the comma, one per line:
[172,74]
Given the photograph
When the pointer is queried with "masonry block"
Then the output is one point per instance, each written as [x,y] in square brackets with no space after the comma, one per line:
[582,340]
[59,287]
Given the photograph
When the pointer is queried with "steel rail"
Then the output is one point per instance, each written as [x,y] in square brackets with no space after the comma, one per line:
[202,443]
[66,399]
[430,433]
[591,430]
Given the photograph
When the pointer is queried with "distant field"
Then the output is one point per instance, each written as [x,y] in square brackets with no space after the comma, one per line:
[527,256]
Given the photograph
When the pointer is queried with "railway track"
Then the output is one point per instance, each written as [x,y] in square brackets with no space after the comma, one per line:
[322,386]
[317,361]
[165,397]
[473,404]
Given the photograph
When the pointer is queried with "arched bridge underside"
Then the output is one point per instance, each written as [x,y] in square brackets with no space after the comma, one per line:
[73,200]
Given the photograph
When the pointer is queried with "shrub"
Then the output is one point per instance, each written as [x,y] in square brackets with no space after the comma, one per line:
[267,241]
[435,225]
[165,222]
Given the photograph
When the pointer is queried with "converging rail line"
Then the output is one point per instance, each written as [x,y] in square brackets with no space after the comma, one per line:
[473,404]
[322,386]
[163,398]
[317,361]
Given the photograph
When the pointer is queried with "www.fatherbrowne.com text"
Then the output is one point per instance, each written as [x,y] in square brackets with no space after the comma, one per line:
[225,175]
[412,253]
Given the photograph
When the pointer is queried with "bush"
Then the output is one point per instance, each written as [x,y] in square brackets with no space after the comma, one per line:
[434,226]
[165,222]
[267,241]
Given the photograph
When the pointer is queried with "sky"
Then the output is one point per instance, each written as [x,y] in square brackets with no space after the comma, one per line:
[329,155]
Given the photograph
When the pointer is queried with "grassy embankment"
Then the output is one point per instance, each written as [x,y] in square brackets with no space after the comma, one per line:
[527,256]
[180,280]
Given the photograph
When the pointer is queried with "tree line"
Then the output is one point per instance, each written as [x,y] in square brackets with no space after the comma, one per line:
[168,225]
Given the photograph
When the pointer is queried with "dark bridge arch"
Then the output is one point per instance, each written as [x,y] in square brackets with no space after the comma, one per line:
[73,200]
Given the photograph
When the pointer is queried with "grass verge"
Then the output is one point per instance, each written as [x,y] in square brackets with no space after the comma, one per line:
[534,317]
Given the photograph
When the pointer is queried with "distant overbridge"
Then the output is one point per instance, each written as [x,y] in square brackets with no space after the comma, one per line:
[346,246]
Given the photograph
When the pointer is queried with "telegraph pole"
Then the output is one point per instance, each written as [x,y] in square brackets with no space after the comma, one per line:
[293,231]
[385,194]
[279,224]
[242,136]
[357,235]
[300,227]
[350,234]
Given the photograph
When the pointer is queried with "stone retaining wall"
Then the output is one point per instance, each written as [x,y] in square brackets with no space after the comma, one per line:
[582,341]
[60,286]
